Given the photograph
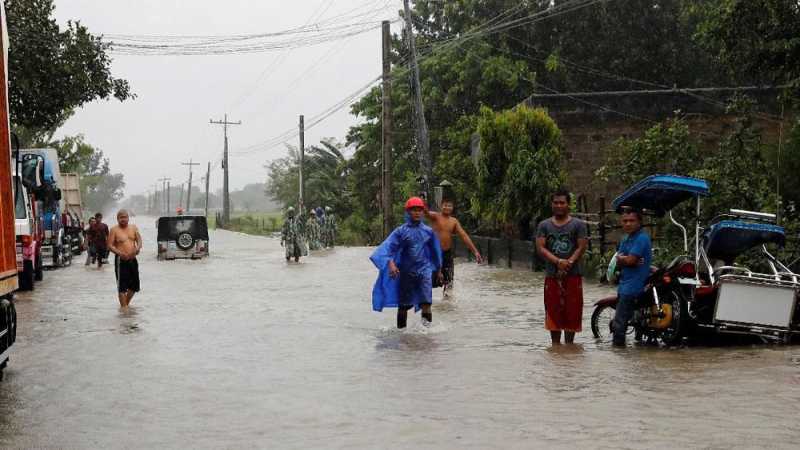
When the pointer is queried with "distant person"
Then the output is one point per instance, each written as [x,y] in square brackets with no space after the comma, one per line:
[407,262]
[125,242]
[329,229]
[88,239]
[634,255]
[292,239]
[446,225]
[100,240]
[562,241]
[313,232]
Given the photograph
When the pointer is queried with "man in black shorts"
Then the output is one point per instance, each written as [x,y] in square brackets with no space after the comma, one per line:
[446,225]
[125,242]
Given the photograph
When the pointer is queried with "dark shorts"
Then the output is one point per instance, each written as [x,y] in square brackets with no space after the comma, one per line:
[448,271]
[127,273]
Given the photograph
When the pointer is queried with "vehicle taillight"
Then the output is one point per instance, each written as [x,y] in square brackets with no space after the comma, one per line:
[686,270]
[162,248]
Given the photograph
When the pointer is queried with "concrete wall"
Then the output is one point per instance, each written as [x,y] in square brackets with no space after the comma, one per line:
[591,122]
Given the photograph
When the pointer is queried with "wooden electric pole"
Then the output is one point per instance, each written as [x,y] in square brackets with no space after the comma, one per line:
[164,204]
[208,177]
[180,197]
[189,192]
[386,132]
[423,142]
[226,200]
[169,193]
[302,159]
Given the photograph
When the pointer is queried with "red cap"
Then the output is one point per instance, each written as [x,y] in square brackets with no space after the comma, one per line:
[415,202]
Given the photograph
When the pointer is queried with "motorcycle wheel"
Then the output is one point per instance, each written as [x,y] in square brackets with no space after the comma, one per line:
[603,321]
[673,335]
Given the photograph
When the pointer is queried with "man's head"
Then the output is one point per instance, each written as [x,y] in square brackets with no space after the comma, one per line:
[415,207]
[122,218]
[290,211]
[559,202]
[92,221]
[631,220]
[98,217]
[447,207]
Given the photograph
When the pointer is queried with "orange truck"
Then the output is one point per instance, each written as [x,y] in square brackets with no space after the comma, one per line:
[8,258]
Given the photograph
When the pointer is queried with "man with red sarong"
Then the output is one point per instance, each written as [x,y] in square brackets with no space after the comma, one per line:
[561,241]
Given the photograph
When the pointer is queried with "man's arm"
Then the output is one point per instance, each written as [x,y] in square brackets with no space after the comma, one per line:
[110,241]
[635,255]
[541,249]
[138,240]
[468,242]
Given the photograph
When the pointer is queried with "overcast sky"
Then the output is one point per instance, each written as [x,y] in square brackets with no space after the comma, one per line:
[168,122]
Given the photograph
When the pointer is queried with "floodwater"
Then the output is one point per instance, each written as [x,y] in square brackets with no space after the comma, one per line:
[243,350]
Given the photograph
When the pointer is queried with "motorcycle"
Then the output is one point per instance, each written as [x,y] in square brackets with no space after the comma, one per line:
[661,312]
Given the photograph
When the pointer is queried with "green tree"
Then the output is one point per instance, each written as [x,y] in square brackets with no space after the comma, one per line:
[519,166]
[665,148]
[325,171]
[53,71]
[759,39]
[99,187]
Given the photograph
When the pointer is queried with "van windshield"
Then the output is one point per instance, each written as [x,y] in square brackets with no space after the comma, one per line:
[20,212]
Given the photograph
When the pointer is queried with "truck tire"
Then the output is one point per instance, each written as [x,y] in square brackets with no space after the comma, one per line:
[38,273]
[26,276]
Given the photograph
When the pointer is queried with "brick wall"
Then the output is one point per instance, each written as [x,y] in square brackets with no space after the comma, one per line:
[590,122]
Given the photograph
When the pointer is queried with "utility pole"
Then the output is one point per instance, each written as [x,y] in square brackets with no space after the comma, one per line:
[169,193]
[226,200]
[164,181]
[155,198]
[208,176]
[302,159]
[180,199]
[386,132]
[423,142]
[189,192]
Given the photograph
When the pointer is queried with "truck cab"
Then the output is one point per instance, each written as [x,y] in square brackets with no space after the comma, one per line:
[28,236]
[47,196]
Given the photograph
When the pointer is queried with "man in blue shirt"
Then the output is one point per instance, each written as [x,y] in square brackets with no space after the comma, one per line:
[633,256]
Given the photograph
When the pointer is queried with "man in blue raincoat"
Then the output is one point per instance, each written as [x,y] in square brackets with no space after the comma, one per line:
[407,260]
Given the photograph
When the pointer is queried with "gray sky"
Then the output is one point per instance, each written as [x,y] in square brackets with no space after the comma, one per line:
[148,137]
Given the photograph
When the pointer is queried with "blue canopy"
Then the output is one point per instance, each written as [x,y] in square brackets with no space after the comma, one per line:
[728,239]
[661,193]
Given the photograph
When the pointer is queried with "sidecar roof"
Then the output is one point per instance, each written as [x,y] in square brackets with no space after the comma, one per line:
[660,193]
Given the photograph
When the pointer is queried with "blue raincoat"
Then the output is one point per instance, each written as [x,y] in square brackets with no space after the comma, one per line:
[416,251]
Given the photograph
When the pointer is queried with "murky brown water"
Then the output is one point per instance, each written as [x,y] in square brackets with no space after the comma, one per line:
[241,350]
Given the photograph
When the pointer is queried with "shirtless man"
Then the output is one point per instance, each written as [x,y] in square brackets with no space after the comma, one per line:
[445,226]
[125,242]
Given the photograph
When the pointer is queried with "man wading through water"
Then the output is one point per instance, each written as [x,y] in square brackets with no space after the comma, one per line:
[446,225]
[125,242]
[562,240]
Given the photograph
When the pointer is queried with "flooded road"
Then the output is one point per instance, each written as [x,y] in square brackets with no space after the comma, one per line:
[242,350]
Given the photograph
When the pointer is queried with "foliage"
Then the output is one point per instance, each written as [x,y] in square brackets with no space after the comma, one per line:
[739,171]
[665,148]
[759,39]
[519,165]
[100,188]
[325,172]
[53,71]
